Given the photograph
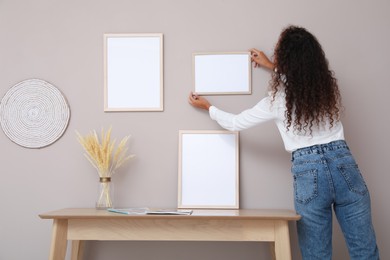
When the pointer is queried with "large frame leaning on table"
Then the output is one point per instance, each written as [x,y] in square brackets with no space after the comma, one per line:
[133,72]
[208,169]
[221,73]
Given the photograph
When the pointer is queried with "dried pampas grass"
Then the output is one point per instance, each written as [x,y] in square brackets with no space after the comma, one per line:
[103,155]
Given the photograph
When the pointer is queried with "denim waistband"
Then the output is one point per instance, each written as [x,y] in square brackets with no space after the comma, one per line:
[320,148]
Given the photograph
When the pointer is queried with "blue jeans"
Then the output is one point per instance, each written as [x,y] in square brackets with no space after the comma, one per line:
[327,176]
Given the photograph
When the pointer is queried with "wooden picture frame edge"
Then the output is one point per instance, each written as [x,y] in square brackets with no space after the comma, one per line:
[237,179]
[130,109]
[249,92]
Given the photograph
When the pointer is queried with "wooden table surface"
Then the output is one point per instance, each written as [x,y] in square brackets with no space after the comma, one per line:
[81,224]
[82,213]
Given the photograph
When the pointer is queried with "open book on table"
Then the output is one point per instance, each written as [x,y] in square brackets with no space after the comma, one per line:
[147,211]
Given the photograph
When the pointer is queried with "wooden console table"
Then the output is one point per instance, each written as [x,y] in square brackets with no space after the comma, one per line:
[79,225]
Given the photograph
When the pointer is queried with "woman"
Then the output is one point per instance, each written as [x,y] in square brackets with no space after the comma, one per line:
[305,104]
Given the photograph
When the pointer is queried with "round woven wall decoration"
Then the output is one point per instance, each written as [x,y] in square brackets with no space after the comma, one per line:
[34,113]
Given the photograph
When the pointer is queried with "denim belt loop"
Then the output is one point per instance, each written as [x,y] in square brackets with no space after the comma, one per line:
[320,148]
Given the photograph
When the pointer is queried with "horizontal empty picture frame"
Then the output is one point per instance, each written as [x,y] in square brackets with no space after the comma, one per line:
[133,72]
[208,169]
[222,73]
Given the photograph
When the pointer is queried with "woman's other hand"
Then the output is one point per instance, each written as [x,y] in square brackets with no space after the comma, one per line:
[198,101]
[260,59]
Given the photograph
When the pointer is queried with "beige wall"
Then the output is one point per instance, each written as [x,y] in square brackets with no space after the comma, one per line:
[62,42]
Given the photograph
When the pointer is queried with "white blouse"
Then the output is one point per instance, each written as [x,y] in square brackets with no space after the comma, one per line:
[267,110]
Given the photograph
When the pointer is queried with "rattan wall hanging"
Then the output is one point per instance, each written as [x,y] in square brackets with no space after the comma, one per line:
[34,113]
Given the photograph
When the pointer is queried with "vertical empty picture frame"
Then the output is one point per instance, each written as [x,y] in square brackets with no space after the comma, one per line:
[133,72]
[222,73]
[208,169]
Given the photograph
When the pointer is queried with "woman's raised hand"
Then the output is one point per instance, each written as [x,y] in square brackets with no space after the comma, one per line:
[260,59]
[198,101]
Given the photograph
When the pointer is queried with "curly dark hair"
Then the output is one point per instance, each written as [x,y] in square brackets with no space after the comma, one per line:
[312,94]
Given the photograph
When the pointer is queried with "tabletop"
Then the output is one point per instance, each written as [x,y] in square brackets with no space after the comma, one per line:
[85,213]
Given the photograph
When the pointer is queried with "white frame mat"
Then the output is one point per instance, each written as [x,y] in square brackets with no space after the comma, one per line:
[222,73]
[208,169]
[133,72]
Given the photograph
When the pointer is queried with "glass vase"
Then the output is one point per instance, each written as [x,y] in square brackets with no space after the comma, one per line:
[105,193]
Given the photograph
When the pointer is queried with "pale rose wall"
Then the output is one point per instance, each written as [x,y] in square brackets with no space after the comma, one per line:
[62,42]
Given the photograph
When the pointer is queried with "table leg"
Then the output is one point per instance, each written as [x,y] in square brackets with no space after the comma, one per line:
[77,249]
[59,239]
[272,249]
[282,241]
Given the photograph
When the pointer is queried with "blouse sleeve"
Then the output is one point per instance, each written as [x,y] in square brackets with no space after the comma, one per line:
[262,112]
